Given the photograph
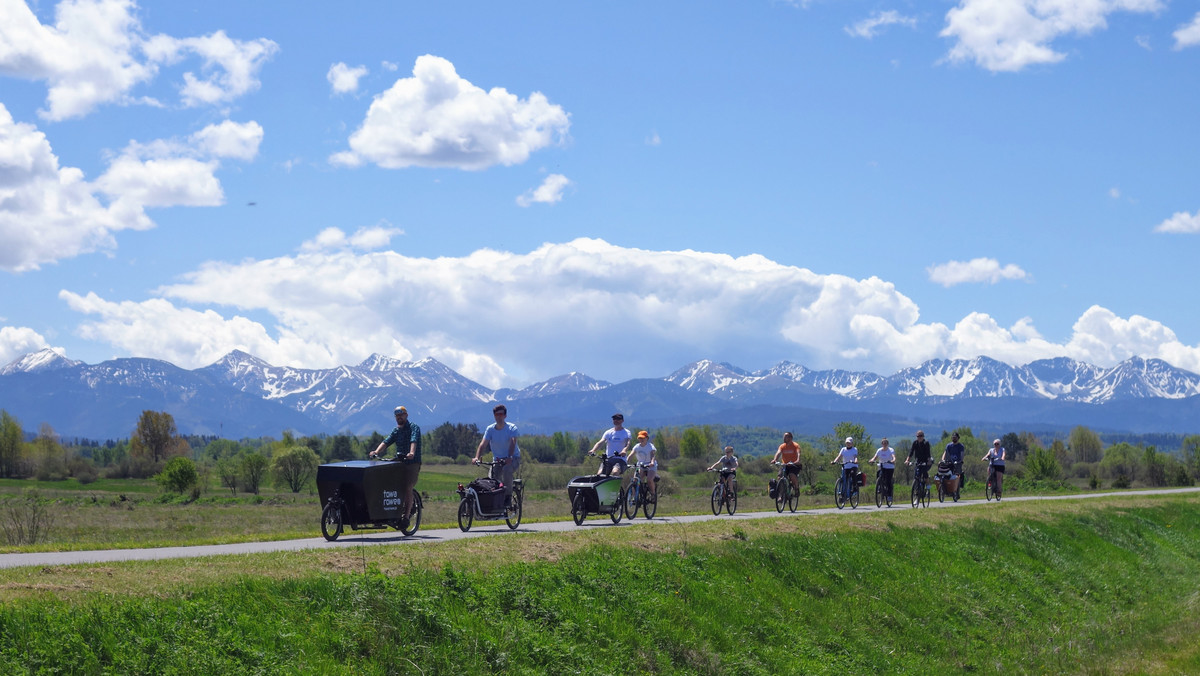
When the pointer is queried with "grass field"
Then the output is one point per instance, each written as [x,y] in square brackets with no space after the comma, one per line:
[1062,587]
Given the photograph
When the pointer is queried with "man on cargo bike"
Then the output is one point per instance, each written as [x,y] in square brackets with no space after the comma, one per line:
[616,441]
[501,438]
[407,438]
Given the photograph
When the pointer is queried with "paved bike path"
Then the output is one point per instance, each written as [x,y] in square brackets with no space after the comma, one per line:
[486,529]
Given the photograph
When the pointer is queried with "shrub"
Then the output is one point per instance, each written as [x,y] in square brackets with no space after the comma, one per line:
[26,520]
[178,475]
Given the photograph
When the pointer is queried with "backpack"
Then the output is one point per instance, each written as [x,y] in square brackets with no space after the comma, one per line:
[773,488]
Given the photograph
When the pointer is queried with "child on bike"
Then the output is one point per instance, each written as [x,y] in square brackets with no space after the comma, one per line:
[729,465]
[643,452]
[789,455]
[886,457]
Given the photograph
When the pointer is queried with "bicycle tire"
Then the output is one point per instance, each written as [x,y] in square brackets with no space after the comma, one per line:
[331,521]
[513,516]
[466,514]
[414,521]
[839,495]
[987,490]
[631,500]
[878,495]
[731,500]
[925,498]
[941,493]
[793,498]
[618,508]
[854,497]
[650,505]
[889,494]
[578,511]
[781,497]
[717,498]
[914,494]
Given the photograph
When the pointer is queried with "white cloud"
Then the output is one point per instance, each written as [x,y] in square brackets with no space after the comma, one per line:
[1008,35]
[365,239]
[1188,35]
[1181,222]
[49,213]
[437,119]
[17,341]
[973,271]
[873,25]
[229,139]
[610,311]
[653,139]
[97,53]
[1143,41]
[549,192]
[1114,193]
[343,78]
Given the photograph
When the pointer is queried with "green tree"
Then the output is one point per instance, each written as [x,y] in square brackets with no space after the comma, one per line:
[1014,445]
[51,457]
[295,467]
[1120,464]
[253,469]
[218,449]
[1154,467]
[1085,445]
[1191,454]
[178,475]
[834,442]
[155,439]
[1043,464]
[229,470]
[692,443]
[12,441]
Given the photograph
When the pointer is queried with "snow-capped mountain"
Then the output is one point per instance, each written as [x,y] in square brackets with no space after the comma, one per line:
[242,395]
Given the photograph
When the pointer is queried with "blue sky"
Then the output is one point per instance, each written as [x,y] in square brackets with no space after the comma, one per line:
[524,189]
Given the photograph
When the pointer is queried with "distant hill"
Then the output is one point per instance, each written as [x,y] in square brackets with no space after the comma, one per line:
[241,395]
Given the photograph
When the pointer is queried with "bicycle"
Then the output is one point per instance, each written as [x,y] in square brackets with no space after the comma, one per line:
[919,495]
[638,495]
[990,491]
[840,497]
[722,497]
[337,514]
[882,495]
[471,508]
[786,495]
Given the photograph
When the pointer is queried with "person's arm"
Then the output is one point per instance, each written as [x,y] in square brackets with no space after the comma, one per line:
[380,449]
[778,455]
[874,457]
[479,451]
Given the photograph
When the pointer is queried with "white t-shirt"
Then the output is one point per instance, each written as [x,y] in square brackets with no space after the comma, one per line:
[617,440]
[886,457]
[850,457]
[644,453]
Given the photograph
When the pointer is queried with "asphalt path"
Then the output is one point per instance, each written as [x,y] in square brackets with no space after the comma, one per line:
[481,529]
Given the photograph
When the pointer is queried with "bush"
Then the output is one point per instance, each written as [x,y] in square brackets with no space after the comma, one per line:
[26,520]
[1094,482]
[1121,481]
[179,475]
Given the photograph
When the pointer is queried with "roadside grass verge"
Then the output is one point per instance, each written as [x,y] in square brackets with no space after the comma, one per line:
[1062,587]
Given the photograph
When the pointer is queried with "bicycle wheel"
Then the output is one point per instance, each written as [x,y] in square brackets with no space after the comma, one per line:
[781,495]
[618,508]
[466,514]
[631,501]
[987,490]
[839,494]
[854,497]
[331,521]
[925,495]
[793,497]
[878,495]
[650,505]
[915,493]
[414,521]
[578,512]
[941,493]
[891,489]
[731,499]
[718,497]
[513,516]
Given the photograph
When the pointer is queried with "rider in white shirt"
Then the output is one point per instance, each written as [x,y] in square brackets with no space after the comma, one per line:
[886,457]
[848,456]
[643,451]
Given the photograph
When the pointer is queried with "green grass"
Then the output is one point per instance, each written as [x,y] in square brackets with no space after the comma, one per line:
[1072,587]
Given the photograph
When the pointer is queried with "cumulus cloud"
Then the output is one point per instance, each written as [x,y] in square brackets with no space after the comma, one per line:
[1181,222]
[976,270]
[507,318]
[876,23]
[365,239]
[343,78]
[1008,35]
[96,52]
[48,212]
[1188,35]
[549,192]
[438,119]
[17,341]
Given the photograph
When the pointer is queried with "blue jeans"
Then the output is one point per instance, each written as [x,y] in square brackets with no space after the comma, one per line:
[849,473]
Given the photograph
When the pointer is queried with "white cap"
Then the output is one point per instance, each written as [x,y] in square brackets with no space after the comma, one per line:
[995,442]
[849,440]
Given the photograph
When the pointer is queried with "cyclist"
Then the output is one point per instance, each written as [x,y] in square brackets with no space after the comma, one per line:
[501,438]
[848,456]
[954,455]
[729,465]
[643,451]
[407,438]
[997,456]
[886,457]
[789,455]
[923,453]
[617,441]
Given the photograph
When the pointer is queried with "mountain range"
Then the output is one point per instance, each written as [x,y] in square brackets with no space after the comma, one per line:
[241,395]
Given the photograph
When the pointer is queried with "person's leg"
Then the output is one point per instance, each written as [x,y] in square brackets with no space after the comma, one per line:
[887,479]
[508,471]
[999,480]
[408,481]
[652,482]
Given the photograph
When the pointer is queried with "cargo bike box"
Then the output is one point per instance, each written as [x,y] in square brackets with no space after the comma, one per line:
[364,494]
[595,494]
